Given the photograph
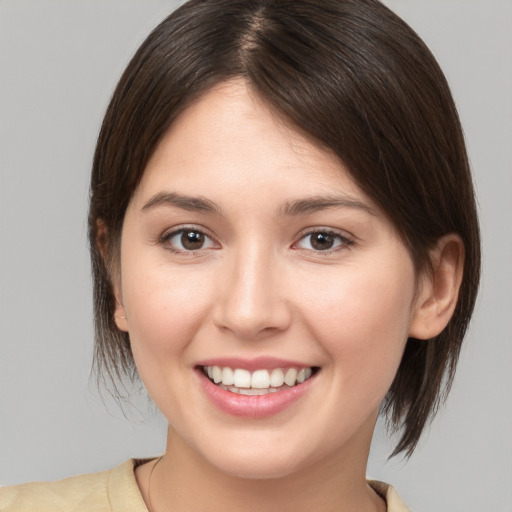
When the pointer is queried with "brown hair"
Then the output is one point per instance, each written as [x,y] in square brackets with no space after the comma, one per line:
[355,78]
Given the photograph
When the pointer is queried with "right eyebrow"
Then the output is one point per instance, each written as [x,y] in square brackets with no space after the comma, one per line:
[318,203]
[194,204]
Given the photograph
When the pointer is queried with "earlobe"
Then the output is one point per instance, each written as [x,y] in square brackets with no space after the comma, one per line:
[101,242]
[120,316]
[439,289]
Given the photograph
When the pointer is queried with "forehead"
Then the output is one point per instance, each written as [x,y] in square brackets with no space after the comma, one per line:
[231,136]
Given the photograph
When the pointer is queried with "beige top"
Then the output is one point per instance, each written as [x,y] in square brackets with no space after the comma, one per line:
[109,491]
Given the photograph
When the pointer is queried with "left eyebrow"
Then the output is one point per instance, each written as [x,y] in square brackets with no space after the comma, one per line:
[194,204]
[318,203]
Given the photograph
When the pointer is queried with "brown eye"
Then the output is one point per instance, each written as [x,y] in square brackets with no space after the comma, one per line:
[192,240]
[187,240]
[323,241]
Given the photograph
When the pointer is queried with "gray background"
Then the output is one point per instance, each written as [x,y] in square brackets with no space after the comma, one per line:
[59,62]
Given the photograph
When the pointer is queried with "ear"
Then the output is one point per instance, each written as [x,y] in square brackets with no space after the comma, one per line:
[438,289]
[114,276]
[120,316]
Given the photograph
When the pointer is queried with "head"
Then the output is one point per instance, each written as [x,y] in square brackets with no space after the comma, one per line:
[353,79]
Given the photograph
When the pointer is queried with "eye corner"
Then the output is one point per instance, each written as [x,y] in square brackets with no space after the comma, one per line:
[328,241]
[198,241]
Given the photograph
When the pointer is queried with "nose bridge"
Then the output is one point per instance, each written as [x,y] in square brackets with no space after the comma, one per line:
[251,301]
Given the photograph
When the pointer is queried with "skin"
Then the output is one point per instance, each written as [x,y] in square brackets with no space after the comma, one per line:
[259,287]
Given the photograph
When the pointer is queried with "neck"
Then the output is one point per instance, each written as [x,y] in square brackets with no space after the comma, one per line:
[183,481]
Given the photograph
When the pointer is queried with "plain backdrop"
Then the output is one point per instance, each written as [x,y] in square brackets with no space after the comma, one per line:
[59,62]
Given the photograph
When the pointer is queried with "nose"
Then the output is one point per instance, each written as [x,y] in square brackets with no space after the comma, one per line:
[252,296]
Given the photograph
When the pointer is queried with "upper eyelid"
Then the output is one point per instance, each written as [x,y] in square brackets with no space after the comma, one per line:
[344,235]
[170,233]
[323,229]
[164,240]
[178,229]
[345,239]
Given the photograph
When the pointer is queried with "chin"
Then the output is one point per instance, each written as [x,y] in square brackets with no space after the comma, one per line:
[258,460]
[257,468]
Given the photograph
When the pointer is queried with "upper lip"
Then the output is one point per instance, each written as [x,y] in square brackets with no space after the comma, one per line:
[257,363]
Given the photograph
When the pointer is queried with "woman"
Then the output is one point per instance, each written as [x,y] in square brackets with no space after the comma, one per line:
[284,243]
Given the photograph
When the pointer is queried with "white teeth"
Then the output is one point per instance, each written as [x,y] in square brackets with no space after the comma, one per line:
[244,391]
[217,374]
[253,391]
[227,376]
[277,378]
[303,374]
[291,377]
[259,382]
[242,378]
[260,379]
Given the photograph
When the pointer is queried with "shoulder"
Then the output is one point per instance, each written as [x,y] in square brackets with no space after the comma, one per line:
[393,500]
[69,494]
[105,491]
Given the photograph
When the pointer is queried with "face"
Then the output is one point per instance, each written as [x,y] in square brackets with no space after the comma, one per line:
[267,299]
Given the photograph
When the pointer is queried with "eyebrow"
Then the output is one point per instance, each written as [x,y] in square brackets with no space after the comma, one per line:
[289,208]
[194,204]
[318,203]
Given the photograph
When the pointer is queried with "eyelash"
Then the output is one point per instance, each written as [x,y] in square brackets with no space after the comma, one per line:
[343,241]
[165,240]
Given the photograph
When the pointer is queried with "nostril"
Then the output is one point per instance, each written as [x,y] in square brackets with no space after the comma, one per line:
[249,302]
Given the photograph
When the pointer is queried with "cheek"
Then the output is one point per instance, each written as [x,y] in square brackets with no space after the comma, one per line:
[362,321]
[164,307]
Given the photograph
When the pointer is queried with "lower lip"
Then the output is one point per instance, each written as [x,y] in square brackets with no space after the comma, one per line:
[253,406]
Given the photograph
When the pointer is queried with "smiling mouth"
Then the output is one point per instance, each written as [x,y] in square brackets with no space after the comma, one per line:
[258,382]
